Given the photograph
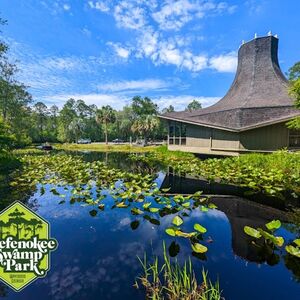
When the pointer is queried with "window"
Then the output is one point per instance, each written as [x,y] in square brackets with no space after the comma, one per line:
[294,138]
[177,133]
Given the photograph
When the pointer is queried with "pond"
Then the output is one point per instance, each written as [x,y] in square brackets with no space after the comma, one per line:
[97,255]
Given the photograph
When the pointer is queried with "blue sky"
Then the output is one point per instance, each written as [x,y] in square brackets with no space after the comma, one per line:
[105,52]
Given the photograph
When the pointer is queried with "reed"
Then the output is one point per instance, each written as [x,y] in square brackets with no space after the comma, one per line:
[171,281]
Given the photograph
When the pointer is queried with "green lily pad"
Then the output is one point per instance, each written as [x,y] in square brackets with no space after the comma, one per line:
[199,228]
[252,232]
[295,251]
[177,221]
[273,225]
[153,209]
[171,231]
[297,242]
[199,248]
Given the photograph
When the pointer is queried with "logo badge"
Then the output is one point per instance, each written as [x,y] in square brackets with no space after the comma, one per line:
[25,246]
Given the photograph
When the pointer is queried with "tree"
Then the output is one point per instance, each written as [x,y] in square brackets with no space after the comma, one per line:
[294,91]
[14,97]
[144,126]
[143,106]
[104,116]
[294,72]
[144,116]
[194,105]
[76,127]
[7,139]
[66,116]
[42,113]
[168,109]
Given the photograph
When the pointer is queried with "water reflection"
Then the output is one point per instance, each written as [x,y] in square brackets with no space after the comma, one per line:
[97,256]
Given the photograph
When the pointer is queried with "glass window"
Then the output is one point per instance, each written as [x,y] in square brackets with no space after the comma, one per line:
[171,130]
[294,138]
[183,130]
[177,129]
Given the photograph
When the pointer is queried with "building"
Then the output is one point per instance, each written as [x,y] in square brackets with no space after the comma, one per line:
[251,117]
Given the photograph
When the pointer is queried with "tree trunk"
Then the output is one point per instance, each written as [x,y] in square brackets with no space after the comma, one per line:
[105,129]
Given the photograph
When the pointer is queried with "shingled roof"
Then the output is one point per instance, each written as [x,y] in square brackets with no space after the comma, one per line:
[257,97]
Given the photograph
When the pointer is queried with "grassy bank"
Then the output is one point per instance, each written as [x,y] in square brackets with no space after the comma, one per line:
[104,147]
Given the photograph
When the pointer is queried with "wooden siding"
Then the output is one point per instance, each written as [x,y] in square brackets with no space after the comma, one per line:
[198,136]
[271,137]
[225,139]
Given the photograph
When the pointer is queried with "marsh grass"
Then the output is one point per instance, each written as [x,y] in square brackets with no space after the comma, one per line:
[170,281]
[105,148]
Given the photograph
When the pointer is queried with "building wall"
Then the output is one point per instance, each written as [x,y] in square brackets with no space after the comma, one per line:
[206,140]
[198,136]
[271,137]
[225,140]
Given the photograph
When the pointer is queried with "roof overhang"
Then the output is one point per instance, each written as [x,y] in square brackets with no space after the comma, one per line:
[259,125]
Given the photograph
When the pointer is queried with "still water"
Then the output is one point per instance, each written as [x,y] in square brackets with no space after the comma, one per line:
[97,256]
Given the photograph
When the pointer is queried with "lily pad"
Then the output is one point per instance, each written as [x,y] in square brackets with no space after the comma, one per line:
[199,248]
[273,225]
[252,232]
[295,251]
[177,221]
[171,231]
[199,228]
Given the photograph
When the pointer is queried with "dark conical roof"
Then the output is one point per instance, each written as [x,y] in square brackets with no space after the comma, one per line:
[257,96]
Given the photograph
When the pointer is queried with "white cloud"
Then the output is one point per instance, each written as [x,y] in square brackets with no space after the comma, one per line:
[118,101]
[180,102]
[151,41]
[121,51]
[173,15]
[134,85]
[224,63]
[129,15]
[66,7]
[99,5]
[115,101]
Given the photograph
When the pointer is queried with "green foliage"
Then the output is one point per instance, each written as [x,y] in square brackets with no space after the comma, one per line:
[272,174]
[129,191]
[168,109]
[271,240]
[14,99]
[8,162]
[294,72]
[194,105]
[173,281]
[7,138]
[294,91]
[105,116]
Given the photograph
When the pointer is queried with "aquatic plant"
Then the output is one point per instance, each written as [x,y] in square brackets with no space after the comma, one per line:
[172,281]
[70,178]
[273,174]
[272,240]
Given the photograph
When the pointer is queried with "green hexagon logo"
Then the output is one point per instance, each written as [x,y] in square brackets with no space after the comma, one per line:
[25,246]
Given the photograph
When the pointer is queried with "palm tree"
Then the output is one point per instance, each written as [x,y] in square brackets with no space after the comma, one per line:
[104,116]
[145,124]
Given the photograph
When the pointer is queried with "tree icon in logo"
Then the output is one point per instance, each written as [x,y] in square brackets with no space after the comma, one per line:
[25,246]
